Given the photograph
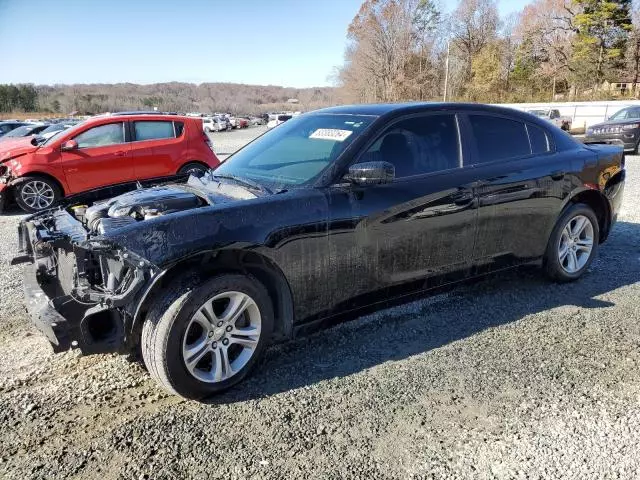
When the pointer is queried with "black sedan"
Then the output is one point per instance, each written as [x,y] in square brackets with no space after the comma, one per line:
[25,131]
[8,125]
[334,211]
[621,128]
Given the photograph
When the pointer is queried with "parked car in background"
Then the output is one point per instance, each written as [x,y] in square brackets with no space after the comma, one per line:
[277,120]
[623,128]
[8,125]
[334,211]
[214,124]
[104,150]
[242,122]
[553,116]
[24,131]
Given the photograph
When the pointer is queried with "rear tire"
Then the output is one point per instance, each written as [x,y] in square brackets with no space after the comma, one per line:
[193,168]
[36,193]
[195,345]
[573,244]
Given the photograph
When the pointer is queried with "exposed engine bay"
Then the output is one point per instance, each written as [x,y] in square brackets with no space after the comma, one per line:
[136,206]
[147,203]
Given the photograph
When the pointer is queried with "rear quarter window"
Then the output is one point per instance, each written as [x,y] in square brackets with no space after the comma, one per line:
[153,130]
[539,139]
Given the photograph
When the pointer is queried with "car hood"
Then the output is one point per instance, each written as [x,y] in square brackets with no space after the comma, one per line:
[12,148]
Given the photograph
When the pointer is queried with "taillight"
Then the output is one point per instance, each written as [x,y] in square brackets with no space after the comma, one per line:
[207,140]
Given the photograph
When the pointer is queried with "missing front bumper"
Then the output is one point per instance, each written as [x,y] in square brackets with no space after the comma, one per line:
[46,318]
[78,292]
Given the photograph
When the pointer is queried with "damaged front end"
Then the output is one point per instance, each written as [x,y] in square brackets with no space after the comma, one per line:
[80,289]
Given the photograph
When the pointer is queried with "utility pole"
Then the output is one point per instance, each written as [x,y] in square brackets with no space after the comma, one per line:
[446,72]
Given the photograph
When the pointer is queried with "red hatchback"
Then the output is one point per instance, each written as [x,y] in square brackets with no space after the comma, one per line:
[102,151]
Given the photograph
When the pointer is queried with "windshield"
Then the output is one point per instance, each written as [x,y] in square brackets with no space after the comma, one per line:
[297,151]
[61,128]
[21,131]
[53,128]
[539,113]
[625,113]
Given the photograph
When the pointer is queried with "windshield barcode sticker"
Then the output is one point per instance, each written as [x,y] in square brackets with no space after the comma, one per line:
[334,134]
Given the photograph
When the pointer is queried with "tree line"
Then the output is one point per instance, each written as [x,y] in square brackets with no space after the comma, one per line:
[173,96]
[553,49]
[18,98]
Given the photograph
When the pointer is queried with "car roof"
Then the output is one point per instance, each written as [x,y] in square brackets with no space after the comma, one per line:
[137,116]
[379,109]
[392,110]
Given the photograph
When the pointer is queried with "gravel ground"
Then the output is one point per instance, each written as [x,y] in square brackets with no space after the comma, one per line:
[510,377]
[225,143]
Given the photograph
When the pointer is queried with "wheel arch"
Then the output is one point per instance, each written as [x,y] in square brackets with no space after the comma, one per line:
[191,162]
[207,264]
[599,204]
[36,173]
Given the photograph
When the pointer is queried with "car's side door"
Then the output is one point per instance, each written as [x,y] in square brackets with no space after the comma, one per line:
[419,225]
[156,146]
[101,158]
[521,184]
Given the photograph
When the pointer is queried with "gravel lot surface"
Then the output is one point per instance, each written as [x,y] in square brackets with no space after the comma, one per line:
[510,377]
[225,143]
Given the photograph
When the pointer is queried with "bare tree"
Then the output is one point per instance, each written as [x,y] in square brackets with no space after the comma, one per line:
[473,25]
[633,49]
[381,39]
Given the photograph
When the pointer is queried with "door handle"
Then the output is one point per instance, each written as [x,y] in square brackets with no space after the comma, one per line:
[120,154]
[557,175]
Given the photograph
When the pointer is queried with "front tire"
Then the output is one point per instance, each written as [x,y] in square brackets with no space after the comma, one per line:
[36,193]
[573,244]
[203,339]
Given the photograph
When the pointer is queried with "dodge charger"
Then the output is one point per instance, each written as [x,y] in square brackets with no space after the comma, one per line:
[333,212]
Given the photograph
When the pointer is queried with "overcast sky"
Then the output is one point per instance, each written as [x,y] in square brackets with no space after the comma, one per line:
[293,43]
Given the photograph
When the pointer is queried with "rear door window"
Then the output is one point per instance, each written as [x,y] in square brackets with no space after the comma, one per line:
[153,130]
[101,136]
[499,138]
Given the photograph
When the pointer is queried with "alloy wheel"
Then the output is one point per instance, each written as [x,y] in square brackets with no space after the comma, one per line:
[37,194]
[576,244]
[221,337]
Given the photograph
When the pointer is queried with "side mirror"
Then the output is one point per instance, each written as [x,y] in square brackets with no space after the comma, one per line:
[69,145]
[371,173]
